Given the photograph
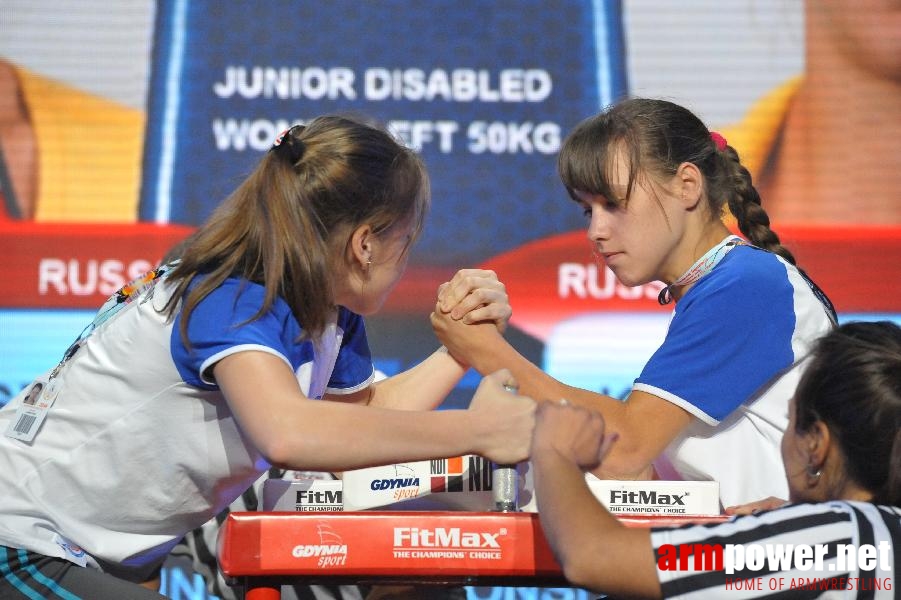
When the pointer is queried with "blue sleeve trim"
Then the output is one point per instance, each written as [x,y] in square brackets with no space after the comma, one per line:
[683,404]
[221,325]
[206,367]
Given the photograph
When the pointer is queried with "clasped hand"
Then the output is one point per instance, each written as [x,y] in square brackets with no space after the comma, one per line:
[471,309]
[573,433]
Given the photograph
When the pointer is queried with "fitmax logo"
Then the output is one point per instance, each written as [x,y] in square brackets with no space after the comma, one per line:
[414,537]
[643,497]
[319,497]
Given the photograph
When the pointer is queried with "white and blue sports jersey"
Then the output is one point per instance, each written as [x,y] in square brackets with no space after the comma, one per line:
[139,445]
[732,358]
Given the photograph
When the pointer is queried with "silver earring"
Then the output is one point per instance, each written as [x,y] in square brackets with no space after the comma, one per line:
[813,476]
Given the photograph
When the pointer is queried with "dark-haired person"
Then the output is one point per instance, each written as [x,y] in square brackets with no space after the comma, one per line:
[842,459]
[194,380]
[712,401]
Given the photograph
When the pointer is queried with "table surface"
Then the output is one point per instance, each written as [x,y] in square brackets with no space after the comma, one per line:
[460,548]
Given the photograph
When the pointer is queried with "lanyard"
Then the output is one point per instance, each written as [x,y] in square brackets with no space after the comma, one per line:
[702,266]
[115,303]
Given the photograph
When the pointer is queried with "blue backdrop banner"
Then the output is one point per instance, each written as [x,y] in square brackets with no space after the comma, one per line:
[484,90]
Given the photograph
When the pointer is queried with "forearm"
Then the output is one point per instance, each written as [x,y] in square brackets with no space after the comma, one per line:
[646,424]
[422,387]
[332,437]
[295,432]
[490,352]
[594,549]
[629,459]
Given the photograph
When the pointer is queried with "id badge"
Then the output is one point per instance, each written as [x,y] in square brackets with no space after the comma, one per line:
[33,410]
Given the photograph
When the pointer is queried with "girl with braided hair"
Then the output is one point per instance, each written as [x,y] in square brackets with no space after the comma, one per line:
[248,352]
[712,401]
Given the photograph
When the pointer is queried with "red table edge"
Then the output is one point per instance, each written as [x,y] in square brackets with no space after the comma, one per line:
[242,533]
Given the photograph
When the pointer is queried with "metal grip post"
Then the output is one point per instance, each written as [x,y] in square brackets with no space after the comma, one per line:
[505,488]
[505,481]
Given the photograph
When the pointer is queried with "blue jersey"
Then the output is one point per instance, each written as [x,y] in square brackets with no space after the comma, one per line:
[732,358]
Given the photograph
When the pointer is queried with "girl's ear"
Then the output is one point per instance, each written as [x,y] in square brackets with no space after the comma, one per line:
[689,177]
[818,442]
[361,245]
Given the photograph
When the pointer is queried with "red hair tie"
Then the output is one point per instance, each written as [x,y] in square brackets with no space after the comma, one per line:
[718,140]
[280,138]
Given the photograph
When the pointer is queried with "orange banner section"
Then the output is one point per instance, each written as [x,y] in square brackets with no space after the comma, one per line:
[449,547]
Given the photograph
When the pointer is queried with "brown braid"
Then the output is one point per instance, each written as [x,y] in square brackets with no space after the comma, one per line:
[745,205]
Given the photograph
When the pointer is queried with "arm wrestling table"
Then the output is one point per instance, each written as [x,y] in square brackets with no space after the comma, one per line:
[262,551]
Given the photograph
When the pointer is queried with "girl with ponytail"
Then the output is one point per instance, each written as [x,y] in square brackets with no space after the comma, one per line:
[247,352]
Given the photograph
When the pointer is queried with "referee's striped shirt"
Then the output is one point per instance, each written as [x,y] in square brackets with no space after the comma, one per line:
[859,545]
